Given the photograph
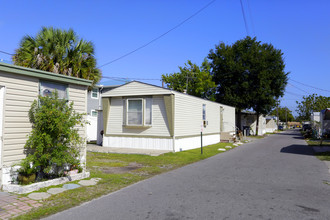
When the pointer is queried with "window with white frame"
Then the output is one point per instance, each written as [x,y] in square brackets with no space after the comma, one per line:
[94,113]
[138,111]
[95,93]
[47,88]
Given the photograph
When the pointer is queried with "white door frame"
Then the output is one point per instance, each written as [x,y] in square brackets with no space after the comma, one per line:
[2,102]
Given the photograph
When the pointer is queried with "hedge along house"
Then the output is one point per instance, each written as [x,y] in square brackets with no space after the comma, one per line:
[144,116]
[19,87]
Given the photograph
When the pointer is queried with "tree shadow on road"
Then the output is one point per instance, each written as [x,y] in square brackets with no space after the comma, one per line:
[298,149]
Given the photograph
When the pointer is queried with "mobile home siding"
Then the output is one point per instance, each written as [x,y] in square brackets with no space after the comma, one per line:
[189,116]
[20,91]
[78,95]
[159,126]
[229,123]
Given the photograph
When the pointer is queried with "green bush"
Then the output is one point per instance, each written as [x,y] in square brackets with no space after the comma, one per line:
[54,141]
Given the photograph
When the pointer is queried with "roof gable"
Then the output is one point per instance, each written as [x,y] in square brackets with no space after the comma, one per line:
[136,88]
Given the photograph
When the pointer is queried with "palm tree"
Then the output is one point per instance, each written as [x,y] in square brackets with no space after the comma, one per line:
[58,51]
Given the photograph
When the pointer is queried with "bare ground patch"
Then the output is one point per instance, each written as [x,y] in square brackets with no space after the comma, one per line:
[125,169]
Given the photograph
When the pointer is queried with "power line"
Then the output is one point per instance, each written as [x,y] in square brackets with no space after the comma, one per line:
[251,18]
[298,88]
[309,86]
[160,36]
[246,26]
[6,53]
[291,93]
[126,78]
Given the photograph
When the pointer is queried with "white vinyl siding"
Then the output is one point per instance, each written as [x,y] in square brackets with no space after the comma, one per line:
[78,95]
[189,115]
[116,125]
[21,91]
[229,119]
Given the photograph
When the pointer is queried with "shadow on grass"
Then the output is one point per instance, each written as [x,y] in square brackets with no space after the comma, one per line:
[298,149]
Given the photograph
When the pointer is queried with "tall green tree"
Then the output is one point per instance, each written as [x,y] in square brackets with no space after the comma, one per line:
[58,51]
[284,114]
[311,103]
[196,80]
[249,75]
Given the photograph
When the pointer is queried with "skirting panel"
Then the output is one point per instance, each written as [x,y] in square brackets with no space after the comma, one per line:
[195,142]
[139,143]
[160,143]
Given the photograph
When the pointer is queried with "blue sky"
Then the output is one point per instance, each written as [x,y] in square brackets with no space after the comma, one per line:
[301,29]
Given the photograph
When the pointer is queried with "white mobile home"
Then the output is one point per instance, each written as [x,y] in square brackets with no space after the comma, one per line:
[271,123]
[19,87]
[325,122]
[139,115]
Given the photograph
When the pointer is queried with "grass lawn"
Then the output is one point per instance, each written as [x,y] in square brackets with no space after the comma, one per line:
[316,143]
[118,171]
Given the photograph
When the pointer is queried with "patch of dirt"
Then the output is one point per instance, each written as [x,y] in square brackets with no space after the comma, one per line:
[126,169]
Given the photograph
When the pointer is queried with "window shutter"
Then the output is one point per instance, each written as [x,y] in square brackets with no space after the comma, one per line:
[124,111]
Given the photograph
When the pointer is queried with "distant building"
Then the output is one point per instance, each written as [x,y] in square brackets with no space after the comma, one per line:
[94,111]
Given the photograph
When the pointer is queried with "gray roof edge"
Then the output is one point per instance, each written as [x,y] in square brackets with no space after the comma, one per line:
[43,74]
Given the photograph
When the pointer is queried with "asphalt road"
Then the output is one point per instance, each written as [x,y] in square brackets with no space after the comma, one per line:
[273,178]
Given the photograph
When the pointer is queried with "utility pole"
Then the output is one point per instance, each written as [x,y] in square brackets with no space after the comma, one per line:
[277,114]
[286,117]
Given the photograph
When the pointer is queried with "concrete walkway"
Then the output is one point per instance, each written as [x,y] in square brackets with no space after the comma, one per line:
[115,150]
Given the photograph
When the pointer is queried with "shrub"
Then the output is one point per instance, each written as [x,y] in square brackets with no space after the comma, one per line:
[54,140]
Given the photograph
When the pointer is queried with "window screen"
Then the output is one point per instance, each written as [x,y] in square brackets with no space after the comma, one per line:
[134,111]
[95,93]
[148,111]
[94,113]
[47,88]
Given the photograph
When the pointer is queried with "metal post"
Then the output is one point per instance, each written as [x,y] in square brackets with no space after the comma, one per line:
[278,119]
[286,118]
[201,142]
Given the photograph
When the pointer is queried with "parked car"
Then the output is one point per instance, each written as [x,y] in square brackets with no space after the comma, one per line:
[280,127]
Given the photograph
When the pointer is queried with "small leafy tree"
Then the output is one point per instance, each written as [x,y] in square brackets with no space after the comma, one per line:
[196,80]
[311,103]
[284,114]
[54,140]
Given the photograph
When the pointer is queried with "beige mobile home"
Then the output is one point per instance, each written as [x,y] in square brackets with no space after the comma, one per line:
[139,115]
[19,87]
